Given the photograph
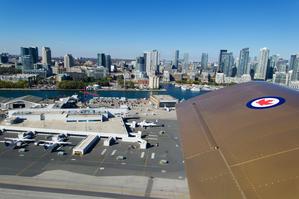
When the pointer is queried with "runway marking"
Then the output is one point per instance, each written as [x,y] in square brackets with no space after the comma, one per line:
[104,151]
[4,151]
[149,187]
[96,171]
[113,152]
[142,154]
[115,163]
[153,156]
[105,192]
[152,138]
[30,165]
[145,162]
[100,168]
[151,135]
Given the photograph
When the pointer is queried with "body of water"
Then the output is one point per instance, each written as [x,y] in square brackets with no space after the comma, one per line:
[170,90]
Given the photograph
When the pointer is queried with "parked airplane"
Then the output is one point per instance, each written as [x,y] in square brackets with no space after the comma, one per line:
[132,124]
[146,124]
[20,141]
[168,109]
[56,143]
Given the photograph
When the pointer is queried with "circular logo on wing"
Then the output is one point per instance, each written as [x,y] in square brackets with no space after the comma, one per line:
[265,102]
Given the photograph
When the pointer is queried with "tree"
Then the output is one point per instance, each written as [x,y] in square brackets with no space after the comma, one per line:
[10,84]
[70,84]
[9,71]
[104,82]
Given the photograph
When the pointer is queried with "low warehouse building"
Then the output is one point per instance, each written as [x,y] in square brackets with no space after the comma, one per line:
[85,145]
[163,100]
[27,101]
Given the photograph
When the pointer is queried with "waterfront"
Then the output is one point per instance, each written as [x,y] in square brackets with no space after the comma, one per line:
[130,94]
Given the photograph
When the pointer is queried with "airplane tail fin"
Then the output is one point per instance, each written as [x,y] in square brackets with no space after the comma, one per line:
[7,144]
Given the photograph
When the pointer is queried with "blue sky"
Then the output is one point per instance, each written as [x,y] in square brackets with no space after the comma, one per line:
[126,28]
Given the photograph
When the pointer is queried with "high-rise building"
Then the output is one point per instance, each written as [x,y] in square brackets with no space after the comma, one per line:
[176,59]
[227,62]
[140,70]
[27,63]
[270,70]
[140,64]
[186,61]
[261,70]
[282,78]
[68,61]
[33,51]
[4,58]
[108,62]
[24,51]
[292,62]
[220,63]
[243,67]
[28,57]
[154,82]
[148,63]
[152,61]
[155,60]
[204,60]
[295,69]
[46,56]
[273,60]
[101,59]
[104,60]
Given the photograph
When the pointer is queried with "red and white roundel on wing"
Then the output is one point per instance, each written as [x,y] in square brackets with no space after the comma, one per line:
[265,102]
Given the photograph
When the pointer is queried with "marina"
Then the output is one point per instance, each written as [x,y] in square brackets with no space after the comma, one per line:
[170,89]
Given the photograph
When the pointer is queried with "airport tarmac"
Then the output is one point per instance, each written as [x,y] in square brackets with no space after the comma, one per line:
[101,162]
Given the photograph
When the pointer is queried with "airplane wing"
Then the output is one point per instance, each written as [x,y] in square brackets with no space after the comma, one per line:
[63,143]
[242,142]
[20,139]
[53,142]
[26,140]
[47,141]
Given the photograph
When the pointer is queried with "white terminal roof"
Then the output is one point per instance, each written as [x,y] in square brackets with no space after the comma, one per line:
[85,142]
[165,98]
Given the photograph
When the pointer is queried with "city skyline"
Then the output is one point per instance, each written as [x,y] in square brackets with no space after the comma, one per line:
[216,59]
[83,29]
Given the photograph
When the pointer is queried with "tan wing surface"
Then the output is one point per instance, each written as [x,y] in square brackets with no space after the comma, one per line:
[232,151]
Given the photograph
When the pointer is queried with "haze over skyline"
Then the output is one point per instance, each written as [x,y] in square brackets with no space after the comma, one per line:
[125,29]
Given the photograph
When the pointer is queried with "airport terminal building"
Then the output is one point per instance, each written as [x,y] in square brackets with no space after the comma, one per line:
[163,100]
